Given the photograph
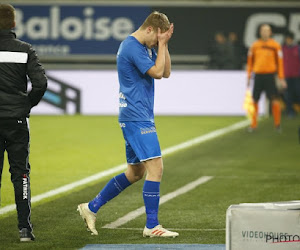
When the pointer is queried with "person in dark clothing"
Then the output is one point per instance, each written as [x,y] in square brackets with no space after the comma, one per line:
[239,51]
[221,53]
[17,61]
[291,63]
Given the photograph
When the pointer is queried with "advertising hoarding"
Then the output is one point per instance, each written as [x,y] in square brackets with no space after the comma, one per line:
[89,31]
[96,92]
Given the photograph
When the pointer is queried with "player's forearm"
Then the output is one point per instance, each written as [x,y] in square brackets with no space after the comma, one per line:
[167,70]
[280,65]
[160,61]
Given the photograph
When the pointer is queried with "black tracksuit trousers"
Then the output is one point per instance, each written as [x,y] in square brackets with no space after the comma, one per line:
[14,139]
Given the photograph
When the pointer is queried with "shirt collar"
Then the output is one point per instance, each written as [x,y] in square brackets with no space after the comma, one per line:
[8,33]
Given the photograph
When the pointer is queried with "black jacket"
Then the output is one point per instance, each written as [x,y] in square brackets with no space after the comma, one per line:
[17,61]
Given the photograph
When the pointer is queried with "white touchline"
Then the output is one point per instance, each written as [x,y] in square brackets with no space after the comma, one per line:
[134,214]
[167,151]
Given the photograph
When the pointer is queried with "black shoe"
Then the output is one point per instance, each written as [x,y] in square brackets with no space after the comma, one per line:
[26,235]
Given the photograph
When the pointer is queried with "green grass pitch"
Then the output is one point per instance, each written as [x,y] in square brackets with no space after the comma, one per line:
[258,167]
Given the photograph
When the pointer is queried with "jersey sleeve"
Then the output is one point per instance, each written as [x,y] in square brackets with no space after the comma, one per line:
[142,60]
[280,62]
[37,76]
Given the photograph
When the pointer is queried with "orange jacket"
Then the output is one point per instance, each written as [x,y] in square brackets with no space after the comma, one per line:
[265,57]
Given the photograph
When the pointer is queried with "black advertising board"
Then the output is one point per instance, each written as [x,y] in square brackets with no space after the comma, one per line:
[195,26]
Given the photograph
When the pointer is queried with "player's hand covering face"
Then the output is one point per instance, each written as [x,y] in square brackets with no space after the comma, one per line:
[166,36]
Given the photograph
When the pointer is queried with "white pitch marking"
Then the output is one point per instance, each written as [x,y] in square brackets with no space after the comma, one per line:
[134,214]
[206,137]
[165,152]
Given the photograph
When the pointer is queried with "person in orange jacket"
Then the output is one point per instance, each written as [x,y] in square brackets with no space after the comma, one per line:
[264,62]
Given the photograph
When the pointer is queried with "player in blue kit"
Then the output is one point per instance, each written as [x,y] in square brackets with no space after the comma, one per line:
[138,65]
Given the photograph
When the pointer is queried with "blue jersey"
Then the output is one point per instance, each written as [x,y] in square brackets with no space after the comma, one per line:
[136,96]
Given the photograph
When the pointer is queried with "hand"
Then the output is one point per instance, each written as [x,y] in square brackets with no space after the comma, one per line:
[283,83]
[171,30]
[166,36]
[248,83]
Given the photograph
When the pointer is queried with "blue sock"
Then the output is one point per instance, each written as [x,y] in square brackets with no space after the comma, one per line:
[151,200]
[115,186]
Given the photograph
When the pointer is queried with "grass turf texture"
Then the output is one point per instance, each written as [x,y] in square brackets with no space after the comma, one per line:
[257,167]
[65,149]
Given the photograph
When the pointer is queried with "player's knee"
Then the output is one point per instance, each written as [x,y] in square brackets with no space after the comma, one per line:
[156,172]
[154,169]
[159,175]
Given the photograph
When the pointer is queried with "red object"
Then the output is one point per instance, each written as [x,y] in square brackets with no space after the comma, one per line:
[291,61]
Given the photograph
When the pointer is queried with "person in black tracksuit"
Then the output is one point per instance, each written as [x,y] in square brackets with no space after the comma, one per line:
[17,61]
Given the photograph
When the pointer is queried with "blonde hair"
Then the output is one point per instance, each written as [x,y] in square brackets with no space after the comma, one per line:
[156,20]
[7,16]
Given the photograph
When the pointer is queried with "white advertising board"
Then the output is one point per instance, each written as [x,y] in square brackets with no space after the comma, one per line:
[95,92]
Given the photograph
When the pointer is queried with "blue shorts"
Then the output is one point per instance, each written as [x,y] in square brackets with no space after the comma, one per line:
[141,141]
